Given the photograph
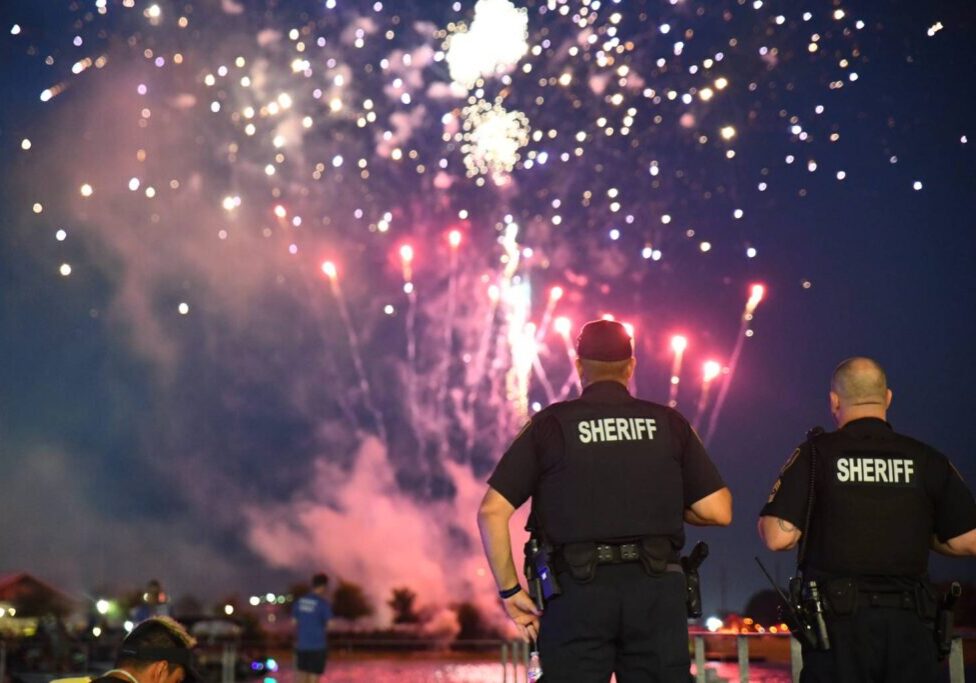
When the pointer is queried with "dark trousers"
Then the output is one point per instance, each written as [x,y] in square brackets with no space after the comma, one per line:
[623,622]
[875,645]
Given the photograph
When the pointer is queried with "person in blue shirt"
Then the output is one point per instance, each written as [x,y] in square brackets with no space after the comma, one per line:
[311,613]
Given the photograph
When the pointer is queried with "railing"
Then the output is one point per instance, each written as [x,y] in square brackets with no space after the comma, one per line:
[515,657]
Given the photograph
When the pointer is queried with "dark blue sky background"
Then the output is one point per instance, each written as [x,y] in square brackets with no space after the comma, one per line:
[119,462]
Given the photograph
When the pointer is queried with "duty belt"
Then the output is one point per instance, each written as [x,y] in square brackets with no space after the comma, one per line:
[626,552]
[899,600]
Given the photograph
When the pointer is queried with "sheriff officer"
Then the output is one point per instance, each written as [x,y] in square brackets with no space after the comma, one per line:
[612,480]
[880,500]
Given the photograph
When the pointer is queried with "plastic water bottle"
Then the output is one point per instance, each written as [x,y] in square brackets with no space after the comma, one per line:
[534,672]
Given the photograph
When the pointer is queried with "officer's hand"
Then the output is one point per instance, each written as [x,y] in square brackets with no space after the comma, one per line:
[523,611]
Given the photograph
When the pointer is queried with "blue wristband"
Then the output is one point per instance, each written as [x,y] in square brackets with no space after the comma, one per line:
[509,592]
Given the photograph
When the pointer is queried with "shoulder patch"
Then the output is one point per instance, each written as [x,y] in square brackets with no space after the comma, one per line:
[772,494]
[789,462]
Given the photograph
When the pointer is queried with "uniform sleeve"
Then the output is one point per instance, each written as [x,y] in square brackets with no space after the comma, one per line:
[699,476]
[517,472]
[790,495]
[955,510]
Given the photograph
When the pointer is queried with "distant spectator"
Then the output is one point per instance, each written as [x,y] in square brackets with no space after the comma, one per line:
[155,603]
[311,614]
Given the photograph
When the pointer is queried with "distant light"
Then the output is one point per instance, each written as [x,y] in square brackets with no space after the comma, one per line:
[25,144]
[705,247]
[60,235]
[271,664]
[917,185]
[556,293]
[614,234]
[337,161]
[228,610]
[15,30]
[727,132]
[713,624]
[183,308]
[563,326]
[38,207]
[389,310]
[86,190]
[838,14]
[270,597]
[757,294]
[134,184]
[646,252]
[65,269]
[254,601]
[711,370]
[102,606]
[536,406]
[329,268]
[97,631]
[841,175]
[737,213]
[128,626]
[153,12]
[408,288]
[751,252]
[406,253]
[679,343]
[454,238]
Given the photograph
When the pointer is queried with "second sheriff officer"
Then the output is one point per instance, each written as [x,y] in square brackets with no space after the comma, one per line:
[612,481]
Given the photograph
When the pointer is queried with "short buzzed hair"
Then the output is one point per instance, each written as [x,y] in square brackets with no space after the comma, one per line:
[598,370]
[860,381]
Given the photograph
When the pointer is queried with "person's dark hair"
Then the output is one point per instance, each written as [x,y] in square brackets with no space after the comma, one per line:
[598,370]
[151,634]
[320,580]
[860,381]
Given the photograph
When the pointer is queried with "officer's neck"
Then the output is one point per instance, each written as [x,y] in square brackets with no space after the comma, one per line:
[847,414]
[624,382]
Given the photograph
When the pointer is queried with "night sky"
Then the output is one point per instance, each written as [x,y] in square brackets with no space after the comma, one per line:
[277,277]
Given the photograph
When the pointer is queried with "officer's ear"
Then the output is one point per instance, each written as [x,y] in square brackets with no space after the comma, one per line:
[834,403]
[631,366]
[888,399]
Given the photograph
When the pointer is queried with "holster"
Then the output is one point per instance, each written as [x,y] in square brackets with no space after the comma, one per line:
[539,572]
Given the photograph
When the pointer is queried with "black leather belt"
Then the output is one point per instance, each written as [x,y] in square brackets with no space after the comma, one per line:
[626,552]
[900,600]
[617,554]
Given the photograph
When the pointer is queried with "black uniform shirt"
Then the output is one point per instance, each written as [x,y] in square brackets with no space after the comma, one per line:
[607,466]
[879,496]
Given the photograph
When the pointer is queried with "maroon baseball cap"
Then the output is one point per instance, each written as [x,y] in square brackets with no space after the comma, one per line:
[604,340]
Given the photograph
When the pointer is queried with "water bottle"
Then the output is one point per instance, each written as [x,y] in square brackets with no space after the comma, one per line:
[534,672]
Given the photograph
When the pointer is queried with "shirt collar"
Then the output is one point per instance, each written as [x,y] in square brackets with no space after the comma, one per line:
[606,389]
[867,426]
